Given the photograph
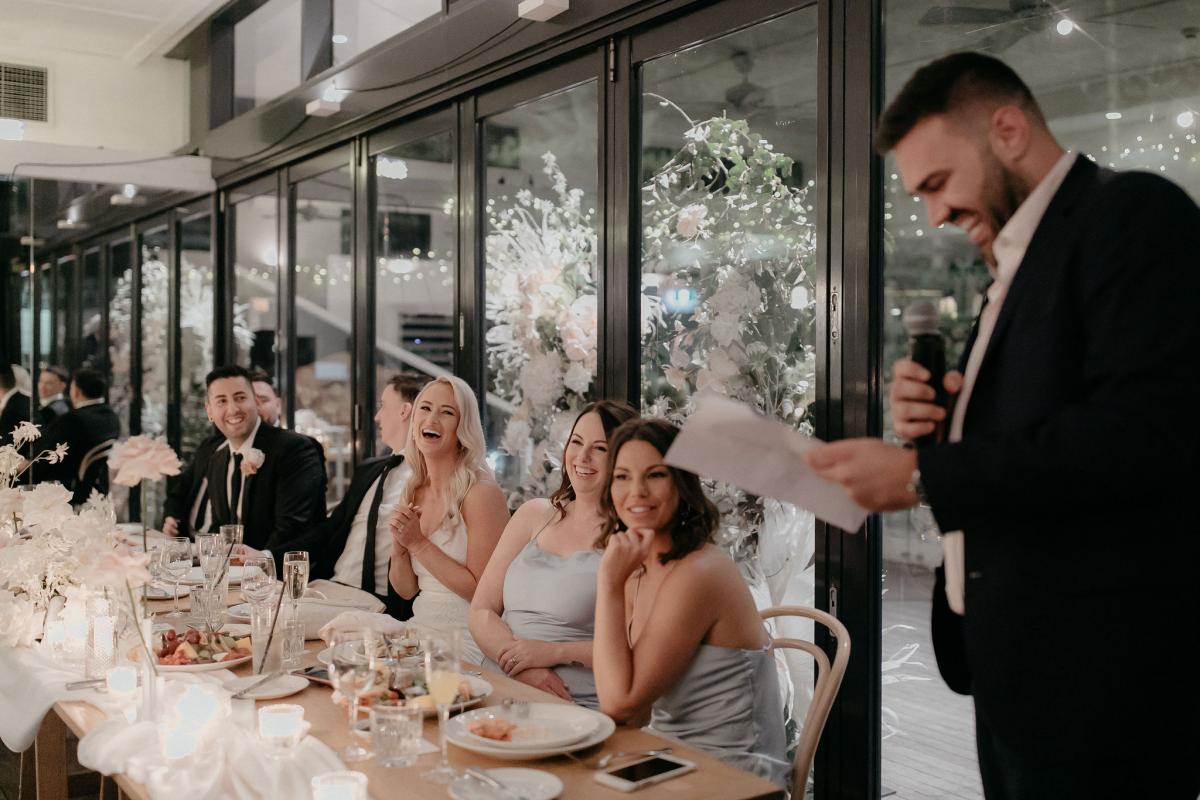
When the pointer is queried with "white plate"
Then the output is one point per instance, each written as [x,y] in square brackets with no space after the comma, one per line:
[206,667]
[549,725]
[280,686]
[605,729]
[160,592]
[196,575]
[239,611]
[532,784]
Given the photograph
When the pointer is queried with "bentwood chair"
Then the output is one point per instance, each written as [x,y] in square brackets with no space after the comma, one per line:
[93,472]
[829,680]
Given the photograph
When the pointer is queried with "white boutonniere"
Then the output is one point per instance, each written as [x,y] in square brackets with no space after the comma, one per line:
[252,460]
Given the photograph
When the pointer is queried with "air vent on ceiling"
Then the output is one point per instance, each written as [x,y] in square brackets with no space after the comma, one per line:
[23,92]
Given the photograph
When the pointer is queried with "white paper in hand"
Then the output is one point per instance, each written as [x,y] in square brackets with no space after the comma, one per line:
[728,441]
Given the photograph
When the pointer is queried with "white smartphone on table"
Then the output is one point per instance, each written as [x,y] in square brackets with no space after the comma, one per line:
[633,776]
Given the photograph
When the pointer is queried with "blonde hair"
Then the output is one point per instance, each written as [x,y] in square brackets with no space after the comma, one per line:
[471,449]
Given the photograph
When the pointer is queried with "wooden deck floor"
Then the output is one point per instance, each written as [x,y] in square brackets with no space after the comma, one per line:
[931,755]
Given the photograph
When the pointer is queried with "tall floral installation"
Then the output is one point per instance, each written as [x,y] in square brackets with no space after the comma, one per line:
[541,314]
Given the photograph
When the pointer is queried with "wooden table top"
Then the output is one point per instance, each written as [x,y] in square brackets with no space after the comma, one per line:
[712,778]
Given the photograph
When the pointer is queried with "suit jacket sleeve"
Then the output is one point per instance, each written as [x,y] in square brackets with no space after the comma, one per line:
[60,431]
[322,556]
[1133,295]
[299,500]
[180,487]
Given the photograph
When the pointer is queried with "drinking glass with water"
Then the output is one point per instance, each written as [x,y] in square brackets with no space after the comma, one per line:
[396,732]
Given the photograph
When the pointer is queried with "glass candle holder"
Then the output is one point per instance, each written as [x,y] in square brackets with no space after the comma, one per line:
[122,684]
[281,727]
[347,785]
[100,653]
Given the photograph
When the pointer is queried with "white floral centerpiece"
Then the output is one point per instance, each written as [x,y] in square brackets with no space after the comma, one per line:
[137,460]
[542,318]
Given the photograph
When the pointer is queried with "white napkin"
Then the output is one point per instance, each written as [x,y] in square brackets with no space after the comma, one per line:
[232,763]
[361,619]
[317,612]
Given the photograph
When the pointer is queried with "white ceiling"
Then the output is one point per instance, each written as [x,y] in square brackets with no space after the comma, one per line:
[130,30]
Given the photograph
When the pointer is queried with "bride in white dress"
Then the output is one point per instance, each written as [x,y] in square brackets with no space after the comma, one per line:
[452,513]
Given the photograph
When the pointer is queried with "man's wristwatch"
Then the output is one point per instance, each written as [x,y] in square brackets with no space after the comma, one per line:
[915,486]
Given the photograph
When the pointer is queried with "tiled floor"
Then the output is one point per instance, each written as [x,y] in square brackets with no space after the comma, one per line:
[931,753]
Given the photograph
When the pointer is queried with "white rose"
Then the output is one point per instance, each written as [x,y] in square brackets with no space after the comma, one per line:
[10,461]
[578,378]
[541,379]
[724,330]
[18,619]
[516,436]
[47,505]
[690,220]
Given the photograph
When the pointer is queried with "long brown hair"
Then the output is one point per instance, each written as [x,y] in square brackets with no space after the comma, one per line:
[612,413]
[696,518]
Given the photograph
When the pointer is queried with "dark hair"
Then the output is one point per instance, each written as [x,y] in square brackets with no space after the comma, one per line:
[612,414]
[90,383]
[8,379]
[948,85]
[230,371]
[408,385]
[58,372]
[261,376]
[696,517]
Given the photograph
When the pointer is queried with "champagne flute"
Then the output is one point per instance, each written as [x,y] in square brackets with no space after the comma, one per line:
[443,656]
[176,562]
[212,554]
[352,670]
[295,573]
[258,577]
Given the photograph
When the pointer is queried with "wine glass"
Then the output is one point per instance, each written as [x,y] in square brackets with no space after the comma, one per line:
[176,563]
[352,670]
[295,573]
[212,555]
[443,656]
[258,577]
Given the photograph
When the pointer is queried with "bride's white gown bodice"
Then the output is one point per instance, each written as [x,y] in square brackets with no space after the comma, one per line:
[437,606]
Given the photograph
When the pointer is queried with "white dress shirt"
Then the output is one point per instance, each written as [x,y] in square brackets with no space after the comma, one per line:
[348,569]
[86,403]
[1009,250]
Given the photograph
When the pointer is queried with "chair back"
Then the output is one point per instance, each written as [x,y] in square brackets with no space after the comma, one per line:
[829,680]
[93,472]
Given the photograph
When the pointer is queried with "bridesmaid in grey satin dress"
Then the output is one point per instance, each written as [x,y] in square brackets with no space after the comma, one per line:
[678,639]
[534,609]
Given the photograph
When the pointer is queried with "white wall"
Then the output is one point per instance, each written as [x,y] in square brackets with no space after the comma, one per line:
[96,101]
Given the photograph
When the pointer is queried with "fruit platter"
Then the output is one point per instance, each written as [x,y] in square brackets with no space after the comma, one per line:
[195,650]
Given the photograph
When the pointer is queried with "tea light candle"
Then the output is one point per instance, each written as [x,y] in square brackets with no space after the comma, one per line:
[122,684]
[280,724]
[339,786]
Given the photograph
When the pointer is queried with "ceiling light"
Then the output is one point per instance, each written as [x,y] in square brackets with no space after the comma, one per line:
[1113,115]
[340,38]
[1186,119]
[1064,26]
[12,130]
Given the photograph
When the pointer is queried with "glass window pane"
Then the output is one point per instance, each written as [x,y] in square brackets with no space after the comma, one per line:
[415,228]
[541,275]
[324,337]
[256,280]
[90,316]
[266,54]
[1122,89]
[120,326]
[65,271]
[195,329]
[156,303]
[45,292]
[359,25]
[728,154]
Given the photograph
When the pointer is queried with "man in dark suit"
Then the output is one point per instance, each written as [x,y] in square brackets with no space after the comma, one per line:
[52,385]
[14,404]
[270,480]
[1071,454]
[356,542]
[86,427]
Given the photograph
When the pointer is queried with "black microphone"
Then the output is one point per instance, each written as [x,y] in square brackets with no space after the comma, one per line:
[927,348]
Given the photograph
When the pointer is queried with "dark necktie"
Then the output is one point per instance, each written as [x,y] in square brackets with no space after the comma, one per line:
[236,494]
[368,570]
[217,467]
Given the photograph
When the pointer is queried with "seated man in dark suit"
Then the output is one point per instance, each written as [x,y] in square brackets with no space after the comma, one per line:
[90,424]
[355,542]
[280,500]
[52,383]
[14,404]
[270,406]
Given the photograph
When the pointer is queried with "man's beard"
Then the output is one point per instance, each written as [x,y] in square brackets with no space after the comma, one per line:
[1008,192]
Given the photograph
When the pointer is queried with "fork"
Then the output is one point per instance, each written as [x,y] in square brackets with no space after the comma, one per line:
[604,760]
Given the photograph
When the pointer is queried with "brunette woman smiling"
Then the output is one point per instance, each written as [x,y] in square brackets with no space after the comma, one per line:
[451,514]
[535,607]
[678,637]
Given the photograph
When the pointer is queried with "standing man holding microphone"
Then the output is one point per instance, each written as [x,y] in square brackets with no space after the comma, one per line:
[1070,453]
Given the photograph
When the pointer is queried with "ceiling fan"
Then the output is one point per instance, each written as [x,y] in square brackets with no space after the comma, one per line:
[1003,27]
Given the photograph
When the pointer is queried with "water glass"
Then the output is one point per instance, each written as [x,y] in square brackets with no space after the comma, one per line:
[352,669]
[293,643]
[232,534]
[261,616]
[339,786]
[212,554]
[258,576]
[396,732]
[208,607]
[176,562]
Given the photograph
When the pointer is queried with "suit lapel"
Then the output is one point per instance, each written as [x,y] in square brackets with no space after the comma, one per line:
[1045,248]
[260,443]
[218,490]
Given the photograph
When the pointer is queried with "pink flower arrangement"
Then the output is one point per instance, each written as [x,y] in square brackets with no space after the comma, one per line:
[141,457]
[115,567]
[252,460]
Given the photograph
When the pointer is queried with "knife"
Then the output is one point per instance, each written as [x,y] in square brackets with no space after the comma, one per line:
[494,784]
[241,693]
